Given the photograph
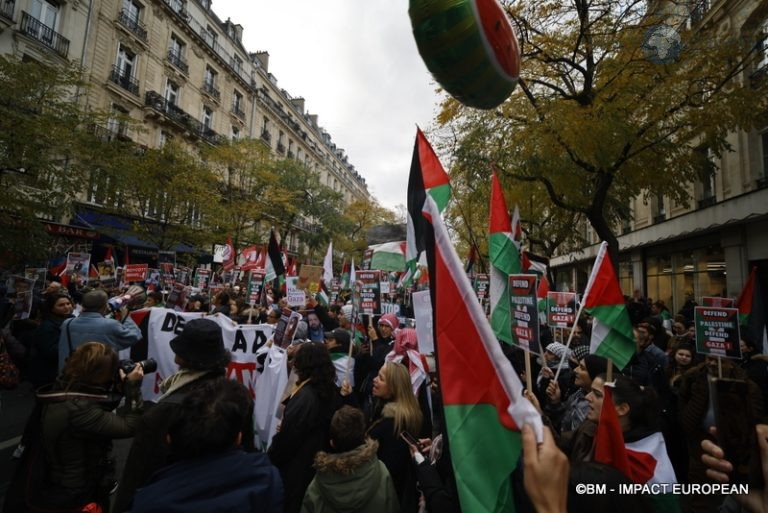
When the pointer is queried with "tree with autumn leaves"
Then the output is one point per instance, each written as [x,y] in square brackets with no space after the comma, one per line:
[595,122]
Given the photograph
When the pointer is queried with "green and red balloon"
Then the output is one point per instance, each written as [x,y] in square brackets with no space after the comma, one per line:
[469,47]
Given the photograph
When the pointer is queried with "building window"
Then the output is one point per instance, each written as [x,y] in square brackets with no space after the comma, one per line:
[207,118]
[116,122]
[237,63]
[237,104]
[706,171]
[176,52]
[164,138]
[210,36]
[235,133]
[209,82]
[658,211]
[45,12]
[171,93]
[132,11]
[761,47]
[126,61]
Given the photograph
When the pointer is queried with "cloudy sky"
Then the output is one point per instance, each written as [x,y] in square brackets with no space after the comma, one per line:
[356,64]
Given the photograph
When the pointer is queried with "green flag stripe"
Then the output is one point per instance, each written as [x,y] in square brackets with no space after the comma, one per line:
[484,454]
[441,194]
[504,254]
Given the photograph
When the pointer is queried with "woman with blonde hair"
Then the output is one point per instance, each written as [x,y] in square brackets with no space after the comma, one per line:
[396,411]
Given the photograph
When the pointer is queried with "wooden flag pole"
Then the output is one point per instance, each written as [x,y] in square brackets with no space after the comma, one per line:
[609,371]
[250,314]
[720,367]
[370,325]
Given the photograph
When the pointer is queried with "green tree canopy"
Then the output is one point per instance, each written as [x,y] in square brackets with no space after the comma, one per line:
[594,122]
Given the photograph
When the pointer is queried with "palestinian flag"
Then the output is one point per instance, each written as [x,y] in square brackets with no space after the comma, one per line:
[535,264]
[344,275]
[427,177]
[228,262]
[482,395]
[389,256]
[752,311]
[644,461]
[505,260]
[612,335]
[274,259]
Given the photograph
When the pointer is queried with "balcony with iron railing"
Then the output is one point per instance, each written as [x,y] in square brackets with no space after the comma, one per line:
[124,80]
[707,202]
[210,89]
[6,9]
[173,112]
[35,29]
[280,147]
[266,136]
[209,135]
[132,24]
[178,61]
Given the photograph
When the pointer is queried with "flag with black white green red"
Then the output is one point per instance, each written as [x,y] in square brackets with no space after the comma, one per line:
[612,335]
[504,255]
[274,259]
[427,177]
[482,395]
[753,310]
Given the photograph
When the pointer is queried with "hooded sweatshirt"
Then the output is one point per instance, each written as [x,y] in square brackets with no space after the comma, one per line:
[352,481]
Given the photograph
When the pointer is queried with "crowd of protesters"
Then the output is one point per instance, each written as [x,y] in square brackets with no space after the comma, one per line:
[361,433]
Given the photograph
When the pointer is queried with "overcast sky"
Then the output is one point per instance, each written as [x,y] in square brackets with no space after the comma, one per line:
[356,64]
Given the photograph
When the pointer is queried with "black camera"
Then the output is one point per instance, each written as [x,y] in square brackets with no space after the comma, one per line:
[150,365]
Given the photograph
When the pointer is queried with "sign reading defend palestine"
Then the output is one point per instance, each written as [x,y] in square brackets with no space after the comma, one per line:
[255,283]
[482,284]
[717,331]
[370,292]
[524,311]
[561,309]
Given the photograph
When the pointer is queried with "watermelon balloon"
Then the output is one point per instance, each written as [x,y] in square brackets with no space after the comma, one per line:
[469,47]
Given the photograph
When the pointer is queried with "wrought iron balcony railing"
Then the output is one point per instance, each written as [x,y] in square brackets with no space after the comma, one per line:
[177,60]
[35,29]
[132,24]
[124,80]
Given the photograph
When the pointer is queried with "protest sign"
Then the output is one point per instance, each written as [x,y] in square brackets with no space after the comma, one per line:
[309,278]
[202,278]
[717,331]
[290,329]
[107,275]
[482,284]
[719,302]
[295,297]
[392,308]
[369,292]
[367,257]
[183,274]
[524,311]
[167,275]
[153,279]
[178,297]
[135,272]
[422,312]
[37,274]
[78,264]
[22,291]
[561,309]
[255,285]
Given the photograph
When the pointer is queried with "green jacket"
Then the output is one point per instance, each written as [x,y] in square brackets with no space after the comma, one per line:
[353,481]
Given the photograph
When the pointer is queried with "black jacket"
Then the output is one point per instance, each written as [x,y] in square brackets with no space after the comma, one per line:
[303,432]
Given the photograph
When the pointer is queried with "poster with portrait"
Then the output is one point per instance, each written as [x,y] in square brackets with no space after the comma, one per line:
[78,265]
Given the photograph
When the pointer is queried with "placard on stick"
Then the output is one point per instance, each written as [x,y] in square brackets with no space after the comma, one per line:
[561,309]
[135,272]
[481,286]
[369,291]
[524,311]
[717,331]
[255,285]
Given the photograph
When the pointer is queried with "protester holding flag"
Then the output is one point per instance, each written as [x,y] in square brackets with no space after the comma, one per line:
[406,351]
[628,436]
[395,411]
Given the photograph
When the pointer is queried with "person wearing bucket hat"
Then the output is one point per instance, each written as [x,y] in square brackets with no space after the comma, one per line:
[201,356]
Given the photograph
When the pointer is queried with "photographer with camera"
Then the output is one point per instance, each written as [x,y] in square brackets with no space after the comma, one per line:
[66,462]
[201,357]
[92,326]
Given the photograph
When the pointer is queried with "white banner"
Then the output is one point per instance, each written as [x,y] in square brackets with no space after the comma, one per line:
[247,342]
[422,313]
